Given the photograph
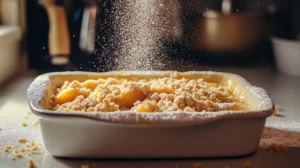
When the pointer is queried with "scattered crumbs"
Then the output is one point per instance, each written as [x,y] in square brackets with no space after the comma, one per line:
[36,123]
[29,112]
[247,164]
[0,129]
[18,155]
[35,148]
[226,166]
[22,140]
[26,117]
[31,164]
[6,149]
[24,124]
[18,152]
[197,165]
[85,166]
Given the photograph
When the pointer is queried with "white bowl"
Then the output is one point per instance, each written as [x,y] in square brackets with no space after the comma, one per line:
[10,57]
[150,135]
[287,55]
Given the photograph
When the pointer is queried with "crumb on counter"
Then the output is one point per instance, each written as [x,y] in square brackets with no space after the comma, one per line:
[85,166]
[31,164]
[0,129]
[24,124]
[22,140]
[17,156]
[277,110]
[247,164]
[36,123]
[18,152]
[6,149]
[26,117]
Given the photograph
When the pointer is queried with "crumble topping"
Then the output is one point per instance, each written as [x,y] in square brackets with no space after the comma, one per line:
[145,95]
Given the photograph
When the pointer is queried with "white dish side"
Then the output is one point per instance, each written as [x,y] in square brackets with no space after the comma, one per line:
[85,138]
[170,135]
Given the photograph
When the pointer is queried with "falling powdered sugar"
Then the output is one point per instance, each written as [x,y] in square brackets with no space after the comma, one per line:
[135,35]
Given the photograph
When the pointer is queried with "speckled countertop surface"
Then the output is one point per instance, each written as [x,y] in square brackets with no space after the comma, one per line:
[283,129]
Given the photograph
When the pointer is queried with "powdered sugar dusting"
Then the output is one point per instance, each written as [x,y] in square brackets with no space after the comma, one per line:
[284,125]
[262,95]
[171,118]
[140,35]
[37,89]
[225,105]
[136,34]
[157,118]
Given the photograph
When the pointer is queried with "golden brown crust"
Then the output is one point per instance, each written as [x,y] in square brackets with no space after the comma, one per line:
[145,95]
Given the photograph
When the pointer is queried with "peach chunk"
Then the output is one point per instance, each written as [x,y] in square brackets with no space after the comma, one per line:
[129,98]
[144,108]
[162,89]
[90,84]
[66,95]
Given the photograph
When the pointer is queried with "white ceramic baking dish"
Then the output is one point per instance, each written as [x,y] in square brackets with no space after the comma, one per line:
[150,135]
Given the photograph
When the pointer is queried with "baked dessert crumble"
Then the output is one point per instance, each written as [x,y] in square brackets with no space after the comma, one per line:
[163,94]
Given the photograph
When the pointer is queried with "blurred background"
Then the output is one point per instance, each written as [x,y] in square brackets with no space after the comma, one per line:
[101,35]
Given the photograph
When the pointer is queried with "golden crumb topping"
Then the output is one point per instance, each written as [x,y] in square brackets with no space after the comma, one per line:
[145,95]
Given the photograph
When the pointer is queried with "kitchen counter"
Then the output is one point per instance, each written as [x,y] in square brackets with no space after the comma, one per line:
[283,90]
